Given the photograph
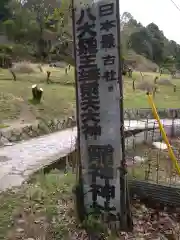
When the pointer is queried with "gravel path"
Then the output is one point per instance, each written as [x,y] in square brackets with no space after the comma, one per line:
[17,162]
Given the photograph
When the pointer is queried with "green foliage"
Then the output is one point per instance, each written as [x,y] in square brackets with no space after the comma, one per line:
[15,50]
[4,11]
[5,59]
[45,27]
[37,24]
[49,198]
[9,27]
[150,42]
[5,49]
[94,224]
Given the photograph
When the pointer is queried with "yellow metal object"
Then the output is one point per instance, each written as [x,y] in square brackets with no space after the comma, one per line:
[156,116]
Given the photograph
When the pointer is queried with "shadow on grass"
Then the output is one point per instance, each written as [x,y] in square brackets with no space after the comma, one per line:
[34,101]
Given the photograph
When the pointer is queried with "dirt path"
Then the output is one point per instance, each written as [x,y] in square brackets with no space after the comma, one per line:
[27,117]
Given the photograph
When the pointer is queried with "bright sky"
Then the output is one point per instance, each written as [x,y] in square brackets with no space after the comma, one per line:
[161,12]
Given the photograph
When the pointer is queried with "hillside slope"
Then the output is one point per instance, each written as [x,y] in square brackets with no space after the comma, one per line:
[150,42]
[139,62]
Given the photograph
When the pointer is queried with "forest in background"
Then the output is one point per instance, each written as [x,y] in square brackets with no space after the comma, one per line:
[42,29]
[149,42]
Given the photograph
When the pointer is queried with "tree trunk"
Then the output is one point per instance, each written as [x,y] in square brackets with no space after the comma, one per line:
[37,93]
[34,92]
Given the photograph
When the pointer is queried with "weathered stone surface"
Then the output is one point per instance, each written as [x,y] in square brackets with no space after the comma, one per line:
[43,128]
[19,230]
[21,221]
[25,136]
[4,141]
[32,131]
[139,159]
[6,134]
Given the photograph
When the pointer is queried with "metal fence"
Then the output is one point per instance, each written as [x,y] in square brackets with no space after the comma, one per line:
[151,172]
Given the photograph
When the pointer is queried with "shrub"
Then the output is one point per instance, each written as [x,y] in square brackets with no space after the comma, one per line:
[5,61]
[5,49]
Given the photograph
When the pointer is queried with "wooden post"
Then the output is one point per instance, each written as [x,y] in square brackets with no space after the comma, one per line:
[13,74]
[154,91]
[129,72]
[133,84]
[48,77]
[174,87]
[39,94]
[155,80]
[67,162]
[34,91]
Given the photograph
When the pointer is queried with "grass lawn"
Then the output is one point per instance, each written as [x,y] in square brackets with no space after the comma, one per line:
[58,100]
[59,96]
[43,209]
[165,98]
